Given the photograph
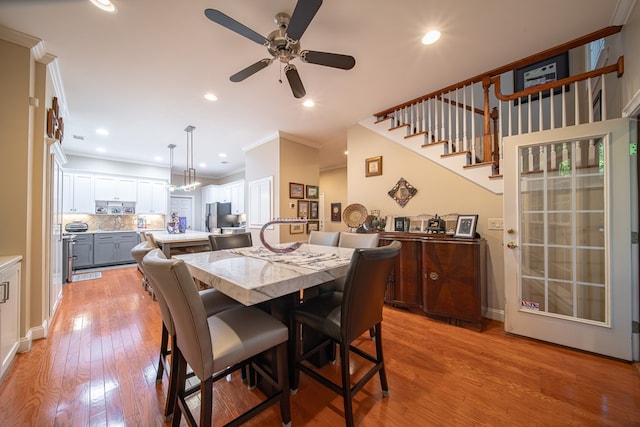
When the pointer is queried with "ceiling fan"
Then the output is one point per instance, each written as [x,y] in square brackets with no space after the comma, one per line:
[283,44]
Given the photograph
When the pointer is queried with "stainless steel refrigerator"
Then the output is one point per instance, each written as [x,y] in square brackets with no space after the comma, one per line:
[218,215]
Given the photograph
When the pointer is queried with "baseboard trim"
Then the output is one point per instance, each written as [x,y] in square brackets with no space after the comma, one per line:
[494,314]
[33,334]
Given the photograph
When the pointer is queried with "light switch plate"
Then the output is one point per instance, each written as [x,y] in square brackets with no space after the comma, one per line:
[496,224]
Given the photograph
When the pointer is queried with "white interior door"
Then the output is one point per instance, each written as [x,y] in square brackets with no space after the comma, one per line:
[568,252]
[184,207]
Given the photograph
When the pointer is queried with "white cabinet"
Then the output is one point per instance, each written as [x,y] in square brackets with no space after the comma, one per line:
[209,194]
[10,268]
[112,188]
[260,202]
[77,193]
[237,197]
[152,197]
[234,193]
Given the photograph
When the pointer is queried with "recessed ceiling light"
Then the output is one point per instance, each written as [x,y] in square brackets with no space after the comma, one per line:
[100,150]
[222,155]
[210,97]
[102,131]
[431,37]
[346,152]
[105,5]
[308,103]
[203,165]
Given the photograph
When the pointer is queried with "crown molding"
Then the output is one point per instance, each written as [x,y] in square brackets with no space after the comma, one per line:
[19,38]
[622,12]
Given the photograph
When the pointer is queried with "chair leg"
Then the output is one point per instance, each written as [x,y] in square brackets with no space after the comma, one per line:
[164,344]
[380,357]
[174,382]
[346,384]
[206,402]
[181,378]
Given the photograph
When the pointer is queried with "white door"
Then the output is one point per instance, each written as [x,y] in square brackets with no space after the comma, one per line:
[568,251]
[55,275]
[184,207]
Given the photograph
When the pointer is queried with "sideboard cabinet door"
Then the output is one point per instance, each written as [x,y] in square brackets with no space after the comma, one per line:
[405,285]
[454,278]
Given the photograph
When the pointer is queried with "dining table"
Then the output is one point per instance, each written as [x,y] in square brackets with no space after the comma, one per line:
[256,275]
[272,281]
[168,241]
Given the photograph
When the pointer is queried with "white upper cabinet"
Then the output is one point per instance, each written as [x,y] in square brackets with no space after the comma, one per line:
[237,197]
[209,194]
[152,197]
[78,193]
[112,188]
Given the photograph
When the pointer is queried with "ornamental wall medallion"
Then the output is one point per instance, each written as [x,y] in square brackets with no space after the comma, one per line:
[402,192]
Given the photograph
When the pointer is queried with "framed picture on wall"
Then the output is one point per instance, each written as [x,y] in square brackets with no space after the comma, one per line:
[296,228]
[313,226]
[313,210]
[336,212]
[303,209]
[312,192]
[542,72]
[296,191]
[373,166]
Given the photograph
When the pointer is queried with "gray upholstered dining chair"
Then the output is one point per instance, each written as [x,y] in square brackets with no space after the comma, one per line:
[358,240]
[215,346]
[325,238]
[230,241]
[344,318]
[213,302]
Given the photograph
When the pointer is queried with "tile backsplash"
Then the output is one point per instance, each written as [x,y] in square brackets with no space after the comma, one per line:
[116,222]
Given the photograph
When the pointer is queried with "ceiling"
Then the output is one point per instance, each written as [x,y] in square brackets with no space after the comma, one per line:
[142,73]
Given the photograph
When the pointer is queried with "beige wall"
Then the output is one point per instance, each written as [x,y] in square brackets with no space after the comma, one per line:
[333,183]
[16,87]
[299,164]
[439,192]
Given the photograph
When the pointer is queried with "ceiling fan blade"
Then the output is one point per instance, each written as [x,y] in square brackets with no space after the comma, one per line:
[334,60]
[294,81]
[301,18]
[250,70]
[233,25]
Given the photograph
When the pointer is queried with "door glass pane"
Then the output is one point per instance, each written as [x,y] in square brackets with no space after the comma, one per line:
[562,229]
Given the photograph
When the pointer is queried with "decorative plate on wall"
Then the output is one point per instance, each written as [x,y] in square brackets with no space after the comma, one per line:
[354,215]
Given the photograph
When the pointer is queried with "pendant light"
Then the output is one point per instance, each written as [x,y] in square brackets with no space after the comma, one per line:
[171,186]
[190,182]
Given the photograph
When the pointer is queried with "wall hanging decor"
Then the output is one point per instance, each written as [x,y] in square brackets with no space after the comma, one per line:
[402,192]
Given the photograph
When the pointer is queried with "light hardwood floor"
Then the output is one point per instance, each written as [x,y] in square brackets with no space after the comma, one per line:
[98,367]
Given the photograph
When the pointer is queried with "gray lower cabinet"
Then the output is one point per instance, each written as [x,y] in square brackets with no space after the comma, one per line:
[83,251]
[113,248]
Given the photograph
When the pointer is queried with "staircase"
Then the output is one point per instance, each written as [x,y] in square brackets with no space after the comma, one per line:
[438,152]
[462,127]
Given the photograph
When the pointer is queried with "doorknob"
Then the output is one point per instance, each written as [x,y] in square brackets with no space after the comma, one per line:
[511,231]
[511,245]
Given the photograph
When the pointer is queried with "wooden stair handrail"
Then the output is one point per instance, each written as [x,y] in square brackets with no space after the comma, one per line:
[532,59]
[618,67]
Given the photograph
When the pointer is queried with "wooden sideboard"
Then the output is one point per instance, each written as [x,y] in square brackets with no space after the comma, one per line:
[439,276]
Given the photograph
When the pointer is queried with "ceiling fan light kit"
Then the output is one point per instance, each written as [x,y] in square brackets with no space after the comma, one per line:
[283,44]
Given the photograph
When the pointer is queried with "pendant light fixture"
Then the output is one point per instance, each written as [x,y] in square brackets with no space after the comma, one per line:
[190,181]
[171,186]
